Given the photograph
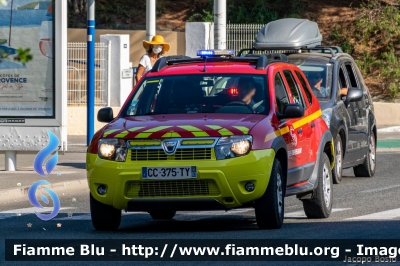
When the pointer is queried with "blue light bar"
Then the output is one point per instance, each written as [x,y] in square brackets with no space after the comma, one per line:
[204,53]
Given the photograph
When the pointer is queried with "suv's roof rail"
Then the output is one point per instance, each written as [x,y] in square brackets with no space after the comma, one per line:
[261,61]
[331,49]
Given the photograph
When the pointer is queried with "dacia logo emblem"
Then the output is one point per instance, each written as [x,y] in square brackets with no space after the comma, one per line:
[169,146]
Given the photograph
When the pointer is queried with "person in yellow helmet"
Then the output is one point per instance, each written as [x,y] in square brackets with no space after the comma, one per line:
[154,50]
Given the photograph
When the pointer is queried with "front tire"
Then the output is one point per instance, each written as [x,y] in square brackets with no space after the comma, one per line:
[367,169]
[338,169]
[104,217]
[162,215]
[269,208]
[320,205]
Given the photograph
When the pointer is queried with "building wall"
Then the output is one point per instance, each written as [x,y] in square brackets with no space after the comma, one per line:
[175,39]
[77,120]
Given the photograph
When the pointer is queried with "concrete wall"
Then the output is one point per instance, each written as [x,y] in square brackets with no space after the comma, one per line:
[387,114]
[199,35]
[77,120]
[175,39]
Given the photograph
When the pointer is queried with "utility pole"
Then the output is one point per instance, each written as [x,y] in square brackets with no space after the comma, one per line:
[150,19]
[220,24]
[91,38]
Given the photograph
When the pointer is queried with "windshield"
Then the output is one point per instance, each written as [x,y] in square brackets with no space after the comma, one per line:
[191,94]
[319,77]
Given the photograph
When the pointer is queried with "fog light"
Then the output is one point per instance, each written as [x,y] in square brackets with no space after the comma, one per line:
[249,187]
[102,189]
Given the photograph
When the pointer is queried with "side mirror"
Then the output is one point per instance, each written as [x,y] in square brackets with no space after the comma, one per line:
[105,115]
[353,95]
[292,110]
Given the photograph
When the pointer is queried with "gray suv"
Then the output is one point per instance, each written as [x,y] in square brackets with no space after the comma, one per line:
[336,81]
[347,108]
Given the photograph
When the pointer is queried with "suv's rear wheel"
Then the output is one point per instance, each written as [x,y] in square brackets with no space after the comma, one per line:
[104,217]
[166,215]
[367,169]
[337,171]
[270,207]
[320,205]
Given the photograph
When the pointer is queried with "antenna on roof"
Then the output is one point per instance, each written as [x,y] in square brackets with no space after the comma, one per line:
[205,64]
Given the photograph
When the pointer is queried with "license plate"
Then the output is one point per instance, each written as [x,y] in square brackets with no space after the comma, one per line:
[169,172]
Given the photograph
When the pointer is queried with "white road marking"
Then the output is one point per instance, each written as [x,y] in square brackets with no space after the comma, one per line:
[33,209]
[87,217]
[378,189]
[301,214]
[13,213]
[80,217]
[385,215]
[204,213]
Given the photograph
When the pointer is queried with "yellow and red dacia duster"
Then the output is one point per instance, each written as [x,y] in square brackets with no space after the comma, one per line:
[188,138]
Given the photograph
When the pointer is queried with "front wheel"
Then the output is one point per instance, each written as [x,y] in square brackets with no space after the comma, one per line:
[367,169]
[104,217]
[337,170]
[320,205]
[269,208]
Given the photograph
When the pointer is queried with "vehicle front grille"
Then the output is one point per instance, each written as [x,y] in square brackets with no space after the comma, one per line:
[171,188]
[180,154]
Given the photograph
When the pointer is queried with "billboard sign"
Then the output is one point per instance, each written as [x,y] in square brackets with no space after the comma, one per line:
[33,96]
[26,90]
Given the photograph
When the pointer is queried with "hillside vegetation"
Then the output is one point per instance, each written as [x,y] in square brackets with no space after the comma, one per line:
[369,30]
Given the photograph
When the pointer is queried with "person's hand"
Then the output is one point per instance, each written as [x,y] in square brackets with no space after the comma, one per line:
[344,91]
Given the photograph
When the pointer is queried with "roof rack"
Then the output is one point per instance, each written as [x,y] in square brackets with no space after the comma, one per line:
[331,49]
[261,61]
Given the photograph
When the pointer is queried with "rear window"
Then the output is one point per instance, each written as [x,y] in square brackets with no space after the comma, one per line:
[191,94]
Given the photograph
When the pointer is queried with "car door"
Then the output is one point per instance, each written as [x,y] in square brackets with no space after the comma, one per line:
[294,137]
[363,104]
[309,127]
[358,137]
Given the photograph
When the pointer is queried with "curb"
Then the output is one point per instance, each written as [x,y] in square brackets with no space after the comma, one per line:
[388,149]
[389,129]
[23,191]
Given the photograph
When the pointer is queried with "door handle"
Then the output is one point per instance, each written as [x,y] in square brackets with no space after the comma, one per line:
[300,131]
[312,124]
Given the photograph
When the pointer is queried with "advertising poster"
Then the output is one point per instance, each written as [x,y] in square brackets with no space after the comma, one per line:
[26,90]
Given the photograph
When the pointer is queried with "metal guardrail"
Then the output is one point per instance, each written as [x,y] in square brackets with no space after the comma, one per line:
[77,67]
[240,36]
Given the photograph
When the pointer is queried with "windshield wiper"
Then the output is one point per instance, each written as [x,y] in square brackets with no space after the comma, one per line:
[152,113]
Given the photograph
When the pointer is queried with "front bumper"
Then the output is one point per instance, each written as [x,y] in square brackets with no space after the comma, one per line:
[219,181]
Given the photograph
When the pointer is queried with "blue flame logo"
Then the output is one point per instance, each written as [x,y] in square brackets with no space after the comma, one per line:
[35,202]
[50,165]
[44,153]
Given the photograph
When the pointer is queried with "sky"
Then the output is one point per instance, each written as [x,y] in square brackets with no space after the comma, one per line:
[6,4]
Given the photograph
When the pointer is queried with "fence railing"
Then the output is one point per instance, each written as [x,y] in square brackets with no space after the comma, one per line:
[239,36]
[77,69]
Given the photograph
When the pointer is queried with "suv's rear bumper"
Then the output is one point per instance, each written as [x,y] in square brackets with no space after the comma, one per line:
[228,178]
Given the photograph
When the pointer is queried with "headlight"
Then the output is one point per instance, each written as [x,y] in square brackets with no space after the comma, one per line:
[112,149]
[230,147]
[326,115]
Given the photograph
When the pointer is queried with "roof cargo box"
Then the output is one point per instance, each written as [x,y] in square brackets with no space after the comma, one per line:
[288,33]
